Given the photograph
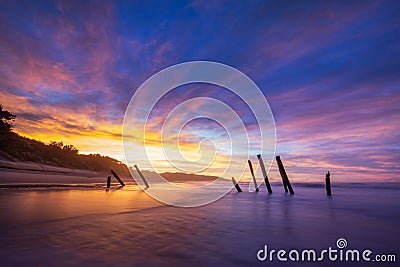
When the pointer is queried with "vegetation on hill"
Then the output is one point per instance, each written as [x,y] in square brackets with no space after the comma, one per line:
[6,119]
[14,147]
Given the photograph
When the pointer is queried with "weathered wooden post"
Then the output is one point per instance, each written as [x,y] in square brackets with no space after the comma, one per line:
[328,184]
[236,185]
[284,175]
[283,181]
[252,174]
[264,174]
[117,177]
[108,183]
[141,175]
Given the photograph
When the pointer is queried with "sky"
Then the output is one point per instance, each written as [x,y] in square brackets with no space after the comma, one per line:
[328,69]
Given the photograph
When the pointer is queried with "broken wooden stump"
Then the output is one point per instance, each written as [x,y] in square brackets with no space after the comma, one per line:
[117,177]
[108,183]
[236,185]
[141,175]
[266,180]
[328,184]
[285,178]
[252,174]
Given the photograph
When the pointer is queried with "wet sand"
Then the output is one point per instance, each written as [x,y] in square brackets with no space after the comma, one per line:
[125,227]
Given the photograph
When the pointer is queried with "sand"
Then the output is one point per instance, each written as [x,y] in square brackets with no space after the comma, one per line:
[11,176]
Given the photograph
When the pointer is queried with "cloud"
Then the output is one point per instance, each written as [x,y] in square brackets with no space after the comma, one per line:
[329,71]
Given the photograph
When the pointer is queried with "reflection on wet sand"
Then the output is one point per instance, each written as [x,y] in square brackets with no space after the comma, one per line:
[126,227]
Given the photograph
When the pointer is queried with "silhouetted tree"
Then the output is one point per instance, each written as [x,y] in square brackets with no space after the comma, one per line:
[6,119]
[56,144]
[70,148]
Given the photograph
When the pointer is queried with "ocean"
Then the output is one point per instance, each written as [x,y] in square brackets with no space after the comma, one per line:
[88,226]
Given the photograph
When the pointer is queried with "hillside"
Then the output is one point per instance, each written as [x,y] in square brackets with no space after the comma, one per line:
[16,148]
[19,149]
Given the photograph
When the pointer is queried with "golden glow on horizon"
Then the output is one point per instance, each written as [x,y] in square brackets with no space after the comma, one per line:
[103,136]
[91,137]
[61,124]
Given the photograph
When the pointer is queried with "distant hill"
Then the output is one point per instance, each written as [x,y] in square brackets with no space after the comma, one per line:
[179,177]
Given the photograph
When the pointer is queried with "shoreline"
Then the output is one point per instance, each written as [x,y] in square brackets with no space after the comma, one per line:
[23,178]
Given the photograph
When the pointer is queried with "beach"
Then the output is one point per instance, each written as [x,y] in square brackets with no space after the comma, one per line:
[199,133]
[89,226]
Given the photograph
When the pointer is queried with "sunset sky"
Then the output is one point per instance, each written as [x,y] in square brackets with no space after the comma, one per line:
[330,71]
